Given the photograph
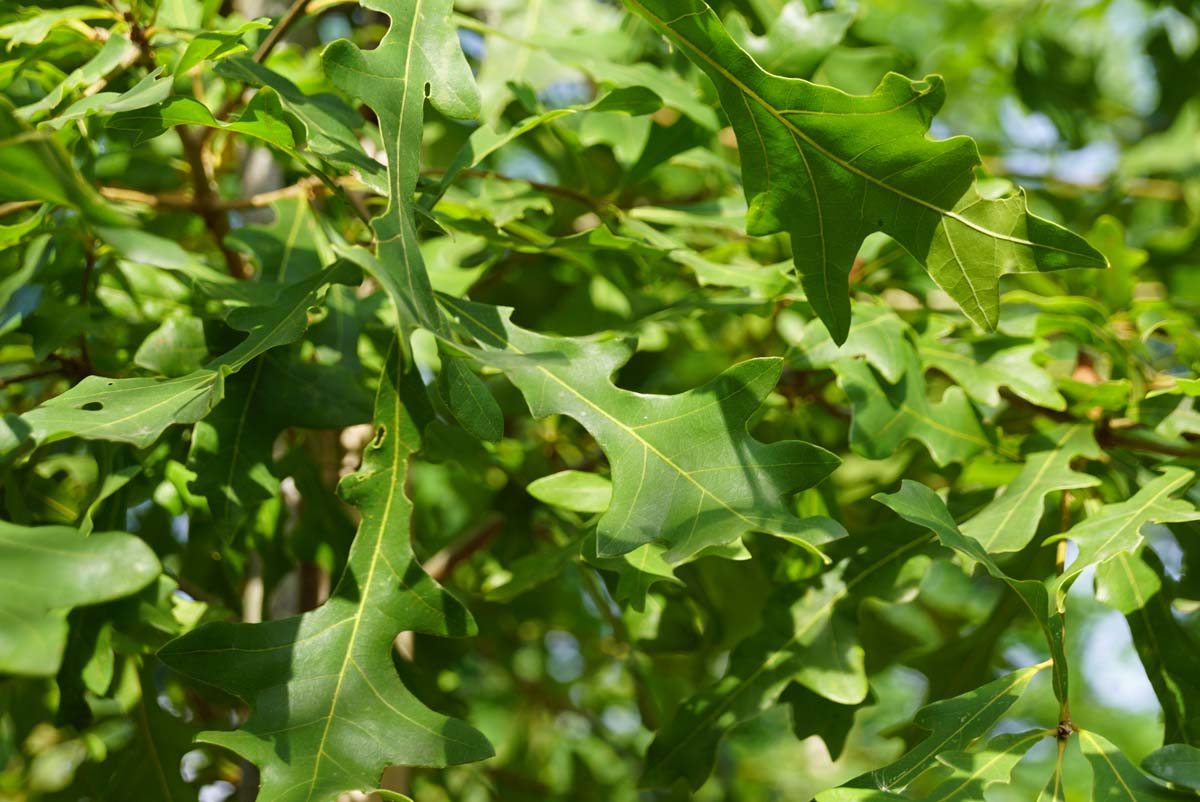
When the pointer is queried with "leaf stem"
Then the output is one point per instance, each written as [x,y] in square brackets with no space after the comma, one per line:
[1065,725]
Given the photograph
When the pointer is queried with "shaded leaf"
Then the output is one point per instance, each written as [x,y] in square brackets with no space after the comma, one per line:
[1178,764]
[329,713]
[136,410]
[886,415]
[46,571]
[291,248]
[328,121]
[918,504]
[418,58]
[802,638]
[813,714]
[262,119]
[34,166]
[231,449]
[1169,652]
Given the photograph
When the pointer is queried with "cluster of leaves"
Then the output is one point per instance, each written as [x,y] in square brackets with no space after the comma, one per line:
[636,386]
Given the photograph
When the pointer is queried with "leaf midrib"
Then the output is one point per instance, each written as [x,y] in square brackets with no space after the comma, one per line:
[1111,766]
[647,445]
[367,587]
[1024,675]
[778,115]
[1033,736]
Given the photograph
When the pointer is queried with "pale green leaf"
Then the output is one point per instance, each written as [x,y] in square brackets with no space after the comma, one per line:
[573,490]
[150,90]
[114,51]
[983,374]
[876,333]
[215,45]
[38,24]
[175,348]
[993,762]
[796,42]
[764,281]
[1117,528]
[1010,521]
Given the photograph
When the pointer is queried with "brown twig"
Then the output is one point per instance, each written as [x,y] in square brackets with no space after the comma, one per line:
[85,294]
[205,200]
[16,206]
[1157,188]
[594,204]
[180,200]
[1109,438]
[33,374]
[295,12]
[289,18]
[443,563]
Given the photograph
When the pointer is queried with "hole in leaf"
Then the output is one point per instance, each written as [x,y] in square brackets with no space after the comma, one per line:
[380,433]
[92,406]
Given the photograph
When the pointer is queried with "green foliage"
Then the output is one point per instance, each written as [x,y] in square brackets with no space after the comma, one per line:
[714,453]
